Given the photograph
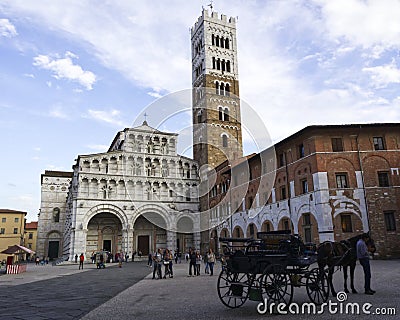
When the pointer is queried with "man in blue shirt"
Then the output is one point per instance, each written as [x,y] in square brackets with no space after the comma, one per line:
[363,256]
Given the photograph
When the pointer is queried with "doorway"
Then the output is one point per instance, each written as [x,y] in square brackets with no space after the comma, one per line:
[143,244]
[107,245]
[53,249]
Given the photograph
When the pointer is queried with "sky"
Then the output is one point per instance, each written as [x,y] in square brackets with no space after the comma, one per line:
[74,73]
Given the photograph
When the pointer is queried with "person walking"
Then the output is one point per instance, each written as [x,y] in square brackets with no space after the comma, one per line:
[198,263]
[76,258]
[81,259]
[192,262]
[363,257]
[211,260]
[157,257]
[150,260]
[206,270]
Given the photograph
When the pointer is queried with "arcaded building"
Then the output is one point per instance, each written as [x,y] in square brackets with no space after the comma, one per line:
[330,183]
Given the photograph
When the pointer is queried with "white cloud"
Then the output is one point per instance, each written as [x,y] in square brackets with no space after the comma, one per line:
[112,117]
[363,23]
[36,149]
[381,76]
[64,68]
[29,75]
[7,29]
[58,112]
[154,94]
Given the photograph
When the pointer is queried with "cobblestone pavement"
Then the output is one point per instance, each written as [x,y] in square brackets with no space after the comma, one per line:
[64,292]
[124,294]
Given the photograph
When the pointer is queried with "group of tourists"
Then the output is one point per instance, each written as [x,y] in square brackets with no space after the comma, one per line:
[165,257]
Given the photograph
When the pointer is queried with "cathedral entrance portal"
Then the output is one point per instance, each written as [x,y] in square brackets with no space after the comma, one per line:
[104,233]
[150,233]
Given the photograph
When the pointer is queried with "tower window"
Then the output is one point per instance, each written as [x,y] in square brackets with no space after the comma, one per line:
[213,62]
[222,42]
[216,88]
[226,114]
[217,41]
[220,114]
[227,43]
[228,66]
[227,89]
[223,65]
[212,40]
[224,141]
[218,64]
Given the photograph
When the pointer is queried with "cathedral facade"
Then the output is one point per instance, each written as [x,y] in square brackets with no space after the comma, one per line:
[140,195]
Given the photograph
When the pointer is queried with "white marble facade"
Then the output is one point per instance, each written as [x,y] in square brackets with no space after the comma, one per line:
[139,195]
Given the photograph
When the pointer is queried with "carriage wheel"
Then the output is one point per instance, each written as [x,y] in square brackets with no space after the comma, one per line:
[317,286]
[233,288]
[276,285]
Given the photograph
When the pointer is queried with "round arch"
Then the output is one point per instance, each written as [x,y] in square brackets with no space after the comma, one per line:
[106,208]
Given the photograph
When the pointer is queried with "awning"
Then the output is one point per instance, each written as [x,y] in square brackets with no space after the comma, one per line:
[16,248]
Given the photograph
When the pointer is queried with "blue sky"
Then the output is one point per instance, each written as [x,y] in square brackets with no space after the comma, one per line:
[74,73]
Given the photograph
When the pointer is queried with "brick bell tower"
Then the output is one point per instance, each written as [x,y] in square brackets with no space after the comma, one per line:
[217,132]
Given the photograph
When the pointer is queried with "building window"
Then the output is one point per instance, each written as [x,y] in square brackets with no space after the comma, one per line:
[337,144]
[220,114]
[15,230]
[2,230]
[379,143]
[301,151]
[30,236]
[383,179]
[390,221]
[16,220]
[224,141]
[56,215]
[3,220]
[341,180]
[346,223]
[283,193]
[281,160]
[30,245]
[304,186]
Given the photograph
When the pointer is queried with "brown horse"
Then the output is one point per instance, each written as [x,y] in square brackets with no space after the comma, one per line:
[341,254]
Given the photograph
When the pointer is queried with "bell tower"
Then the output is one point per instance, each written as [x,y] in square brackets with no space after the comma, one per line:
[217,132]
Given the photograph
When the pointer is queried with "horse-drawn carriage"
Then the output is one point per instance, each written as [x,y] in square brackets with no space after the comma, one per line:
[269,267]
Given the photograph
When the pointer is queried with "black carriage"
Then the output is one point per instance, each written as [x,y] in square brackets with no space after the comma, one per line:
[269,267]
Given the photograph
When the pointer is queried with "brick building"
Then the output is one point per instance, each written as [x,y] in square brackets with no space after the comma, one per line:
[329,183]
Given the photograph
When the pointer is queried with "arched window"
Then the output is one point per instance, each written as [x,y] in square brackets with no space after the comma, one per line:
[224,141]
[223,65]
[228,66]
[222,89]
[226,114]
[218,64]
[56,215]
[212,39]
[220,114]
[217,41]
[216,88]
[227,43]
[227,89]
[199,116]
[213,62]
[222,42]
